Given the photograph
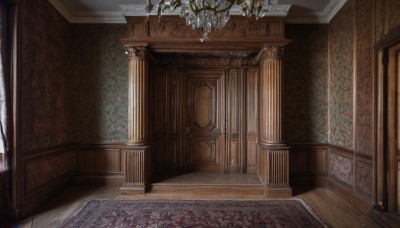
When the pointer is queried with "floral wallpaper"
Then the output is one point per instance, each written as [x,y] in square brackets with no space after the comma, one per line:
[306,83]
[99,84]
[379,19]
[364,178]
[341,78]
[387,17]
[365,97]
[341,168]
[393,13]
[45,119]
[43,171]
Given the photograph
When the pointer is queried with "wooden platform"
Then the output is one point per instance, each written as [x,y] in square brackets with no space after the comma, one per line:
[228,185]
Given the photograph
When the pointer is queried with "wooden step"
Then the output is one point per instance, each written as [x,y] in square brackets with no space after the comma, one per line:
[210,186]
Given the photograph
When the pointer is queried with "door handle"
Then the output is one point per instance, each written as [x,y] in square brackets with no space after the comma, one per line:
[187,130]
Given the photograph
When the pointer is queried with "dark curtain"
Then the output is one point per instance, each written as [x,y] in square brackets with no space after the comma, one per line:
[5,117]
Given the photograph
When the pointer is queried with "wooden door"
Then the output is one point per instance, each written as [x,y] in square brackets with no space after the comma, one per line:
[204,120]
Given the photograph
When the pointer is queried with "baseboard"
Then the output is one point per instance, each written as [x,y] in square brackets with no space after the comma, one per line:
[349,196]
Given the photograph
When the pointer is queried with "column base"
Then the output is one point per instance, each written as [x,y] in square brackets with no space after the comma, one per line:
[137,169]
[133,189]
[278,191]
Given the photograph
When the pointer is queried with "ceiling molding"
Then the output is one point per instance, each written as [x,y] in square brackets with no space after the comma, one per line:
[317,17]
[309,17]
[139,10]
[88,16]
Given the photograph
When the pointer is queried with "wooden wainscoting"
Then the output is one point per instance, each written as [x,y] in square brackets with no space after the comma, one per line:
[45,171]
[100,165]
[308,164]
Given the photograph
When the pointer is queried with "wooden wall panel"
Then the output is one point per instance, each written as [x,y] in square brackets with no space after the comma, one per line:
[45,171]
[159,120]
[251,150]
[175,158]
[100,164]
[251,117]
[173,100]
[174,121]
[160,156]
[99,161]
[310,159]
[234,127]
[160,96]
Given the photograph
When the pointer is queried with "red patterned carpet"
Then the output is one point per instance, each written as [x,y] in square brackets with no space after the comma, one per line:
[194,213]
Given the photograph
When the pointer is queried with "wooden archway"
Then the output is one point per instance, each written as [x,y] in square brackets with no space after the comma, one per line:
[264,38]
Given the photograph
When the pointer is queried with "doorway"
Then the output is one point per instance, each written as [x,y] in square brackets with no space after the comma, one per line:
[204,119]
[388,125]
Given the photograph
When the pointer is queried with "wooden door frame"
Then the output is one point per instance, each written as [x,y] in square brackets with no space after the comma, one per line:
[385,162]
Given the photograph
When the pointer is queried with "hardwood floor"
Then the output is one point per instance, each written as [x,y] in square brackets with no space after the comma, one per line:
[334,210]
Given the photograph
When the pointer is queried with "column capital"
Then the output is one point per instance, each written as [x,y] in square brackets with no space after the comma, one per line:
[136,52]
[270,52]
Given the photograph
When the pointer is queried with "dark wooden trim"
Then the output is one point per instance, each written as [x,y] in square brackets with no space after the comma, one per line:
[46,151]
[341,151]
[364,157]
[390,39]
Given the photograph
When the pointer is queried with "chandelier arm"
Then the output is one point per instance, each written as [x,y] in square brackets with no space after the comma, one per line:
[191,6]
[231,2]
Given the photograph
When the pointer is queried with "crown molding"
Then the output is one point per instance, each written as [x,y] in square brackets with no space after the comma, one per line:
[117,17]
[320,17]
[139,10]
[87,16]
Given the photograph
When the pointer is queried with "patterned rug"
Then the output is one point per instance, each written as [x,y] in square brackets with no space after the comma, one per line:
[194,213]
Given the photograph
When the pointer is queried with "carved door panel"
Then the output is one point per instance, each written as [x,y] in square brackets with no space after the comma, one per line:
[204,120]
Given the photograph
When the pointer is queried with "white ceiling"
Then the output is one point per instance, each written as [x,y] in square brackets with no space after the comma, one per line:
[112,11]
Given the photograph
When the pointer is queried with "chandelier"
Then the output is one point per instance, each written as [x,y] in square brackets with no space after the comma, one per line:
[210,14]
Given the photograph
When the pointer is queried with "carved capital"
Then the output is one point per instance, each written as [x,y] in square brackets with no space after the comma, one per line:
[136,52]
[273,52]
[269,52]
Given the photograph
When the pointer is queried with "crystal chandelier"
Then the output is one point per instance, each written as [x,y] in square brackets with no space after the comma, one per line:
[210,14]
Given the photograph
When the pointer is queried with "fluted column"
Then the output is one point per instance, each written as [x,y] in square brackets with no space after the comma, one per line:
[138,111]
[137,152]
[273,167]
[271,131]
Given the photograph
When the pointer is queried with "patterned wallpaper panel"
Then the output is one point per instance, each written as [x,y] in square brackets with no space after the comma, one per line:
[99,84]
[387,17]
[393,13]
[306,83]
[364,178]
[341,168]
[379,20]
[45,119]
[341,80]
[365,97]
